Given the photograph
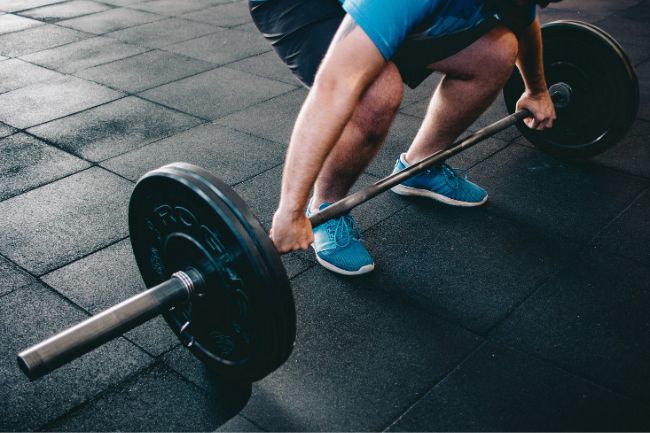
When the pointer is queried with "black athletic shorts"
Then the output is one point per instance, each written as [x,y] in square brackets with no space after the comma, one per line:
[301,31]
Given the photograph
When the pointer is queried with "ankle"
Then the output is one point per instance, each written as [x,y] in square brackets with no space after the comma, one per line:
[317,201]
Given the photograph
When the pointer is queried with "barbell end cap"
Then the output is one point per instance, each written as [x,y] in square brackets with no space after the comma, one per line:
[29,365]
[561,93]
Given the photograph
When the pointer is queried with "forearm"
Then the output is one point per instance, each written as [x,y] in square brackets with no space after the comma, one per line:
[530,58]
[323,116]
[350,65]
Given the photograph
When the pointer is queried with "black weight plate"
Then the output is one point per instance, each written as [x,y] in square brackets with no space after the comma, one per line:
[243,324]
[605,90]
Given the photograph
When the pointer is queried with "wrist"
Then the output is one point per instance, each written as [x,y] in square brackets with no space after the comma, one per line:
[537,88]
[291,210]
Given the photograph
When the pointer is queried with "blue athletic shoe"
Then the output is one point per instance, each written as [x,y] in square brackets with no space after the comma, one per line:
[338,246]
[441,183]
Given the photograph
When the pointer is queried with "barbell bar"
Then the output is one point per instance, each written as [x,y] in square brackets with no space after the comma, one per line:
[214,273]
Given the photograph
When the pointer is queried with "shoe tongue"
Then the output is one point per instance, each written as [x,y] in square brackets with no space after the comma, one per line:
[323,205]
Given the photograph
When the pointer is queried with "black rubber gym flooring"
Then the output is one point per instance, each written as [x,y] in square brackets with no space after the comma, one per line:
[531,313]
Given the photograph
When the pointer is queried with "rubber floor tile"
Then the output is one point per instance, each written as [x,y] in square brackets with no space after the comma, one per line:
[629,234]
[361,358]
[15,74]
[13,277]
[37,39]
[49,100]
[631,154]
[66,10]
[499,389]
[591,320]
[60,222]
[274,119]
[27,163]
[223,152]
[179,406]
[114,128]
[144,71]
[110,20]
[466,265]
[19,5]
[222,47]
[161,33]
[83,54]
[217,93]
[223,15]
[14,23]
[552,196]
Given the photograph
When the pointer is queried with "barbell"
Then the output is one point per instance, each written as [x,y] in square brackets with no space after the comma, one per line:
[213,272]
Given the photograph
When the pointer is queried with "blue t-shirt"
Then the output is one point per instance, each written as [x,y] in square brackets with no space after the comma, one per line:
[389,23]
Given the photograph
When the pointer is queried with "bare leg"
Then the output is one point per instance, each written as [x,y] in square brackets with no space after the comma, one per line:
[361,139]
[473,78]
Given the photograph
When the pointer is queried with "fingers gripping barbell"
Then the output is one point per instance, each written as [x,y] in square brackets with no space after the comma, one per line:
[213,271]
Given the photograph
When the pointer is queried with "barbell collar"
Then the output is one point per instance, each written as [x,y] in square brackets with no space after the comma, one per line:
[77,340]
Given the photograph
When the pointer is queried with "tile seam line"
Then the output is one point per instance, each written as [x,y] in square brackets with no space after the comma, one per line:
[162,48]
[100,161]
[28,190]
[570,261]
[589,163]
[448,319]
[50,143]
[607,251]
[101,248]
[71,73]
[256,175]
[27,28]
[139,93]
[584,246]
[7,259]
[593,381]
[182,16]
[549,363]
[208,121]
[264,429]
[24,129]
[36,7]
[47,426]
[58,19]
[161,17]
[120,385]
[464,360]
[49,48]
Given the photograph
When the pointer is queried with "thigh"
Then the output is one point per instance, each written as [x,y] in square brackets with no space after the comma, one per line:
[496,49]
[417,58]
[300,31]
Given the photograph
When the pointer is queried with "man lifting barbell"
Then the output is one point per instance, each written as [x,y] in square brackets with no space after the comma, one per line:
[216,276]
[357,90]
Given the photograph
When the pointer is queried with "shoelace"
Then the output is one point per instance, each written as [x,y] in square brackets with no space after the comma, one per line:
[451,175]
[343,229]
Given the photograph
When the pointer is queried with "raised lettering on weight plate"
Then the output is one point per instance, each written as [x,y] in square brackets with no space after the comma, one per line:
[165,214]
[213,241]
[186,217]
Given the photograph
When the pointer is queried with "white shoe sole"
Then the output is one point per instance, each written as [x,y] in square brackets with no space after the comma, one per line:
[363,270]
[418,192]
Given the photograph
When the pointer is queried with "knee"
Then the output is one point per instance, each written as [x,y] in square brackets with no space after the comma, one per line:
[503,54]
[379,104]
